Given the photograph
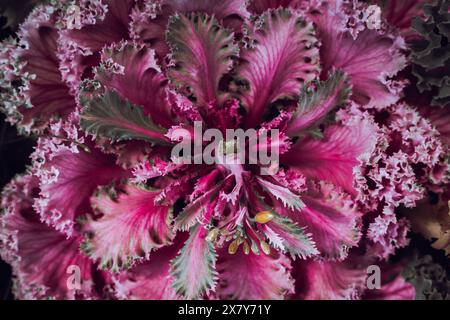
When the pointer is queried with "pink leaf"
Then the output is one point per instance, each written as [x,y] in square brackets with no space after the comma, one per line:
[328,280]
[371,60]
[254,277]
[150,280]
[401,13]
[46,263]
[102,22]
[284,56]
[332,219]
[48,95]
[67,180]
[201,53]
[149,22]
[140,80]
[260,6]
[335,156]
[131,227]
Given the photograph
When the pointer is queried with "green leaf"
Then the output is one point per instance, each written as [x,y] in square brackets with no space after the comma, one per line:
[194,269]
[294,239]
[317,99]
[111,117]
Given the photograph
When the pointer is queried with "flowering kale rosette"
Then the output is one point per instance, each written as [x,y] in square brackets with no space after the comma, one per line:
[104,84]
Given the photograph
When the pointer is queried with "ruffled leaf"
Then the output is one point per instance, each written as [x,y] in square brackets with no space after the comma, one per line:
[67,183]
[220,9]
[131,227]
[35,93]
[131,71]
[328,280]
[370,59]
[286,196]
[386,234]
[401,13]
[149,22]
[332,218]
[294,239]
[284,56]
[334,157]
[314,104]
[150,280]
[102,22]
[47,265]
[254,277]
[202,54]
[111,117]
[194,267]
[260,6]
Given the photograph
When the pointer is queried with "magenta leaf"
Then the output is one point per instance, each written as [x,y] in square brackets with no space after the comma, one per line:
[330,280]
[202,53]
[66,181]
[131,227]
[332,218]
[44,258]
[150,280]
[283,58]
[370,58]
[260,6]
[334,157]
[131,70]
[32,88]
[254,277]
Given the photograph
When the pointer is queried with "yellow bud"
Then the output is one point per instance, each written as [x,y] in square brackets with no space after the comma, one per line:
[264,217]
[212,235]
[232,249]
[265,247]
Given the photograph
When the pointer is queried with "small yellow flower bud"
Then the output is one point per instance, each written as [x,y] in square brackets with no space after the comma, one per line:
[212,235]
[264,217]
[233,247]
